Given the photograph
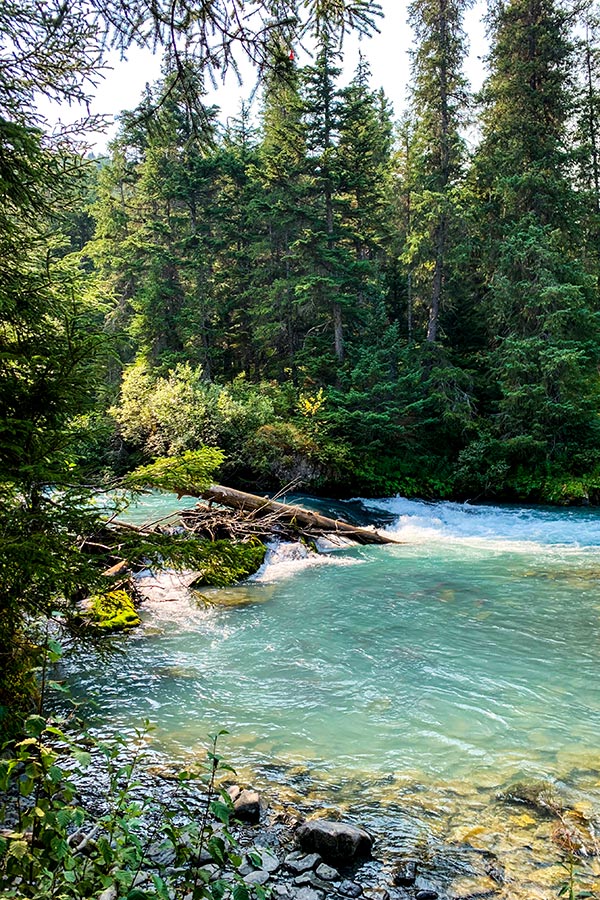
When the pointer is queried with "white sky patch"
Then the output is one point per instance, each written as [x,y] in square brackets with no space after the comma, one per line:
[388,54]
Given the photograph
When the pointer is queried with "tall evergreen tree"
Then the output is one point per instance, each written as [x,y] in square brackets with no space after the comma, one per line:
[440,110]
[322,112]
[282,317]
[587,135]
[538,302]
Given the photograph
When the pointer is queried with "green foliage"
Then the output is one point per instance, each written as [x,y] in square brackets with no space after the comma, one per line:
[56,848]
[222,563]
[191,473]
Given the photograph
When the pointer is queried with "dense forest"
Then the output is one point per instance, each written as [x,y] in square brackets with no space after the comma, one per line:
[329,296]
[368,306]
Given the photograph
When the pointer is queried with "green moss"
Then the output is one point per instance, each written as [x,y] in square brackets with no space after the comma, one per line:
[114,611]
[222,563]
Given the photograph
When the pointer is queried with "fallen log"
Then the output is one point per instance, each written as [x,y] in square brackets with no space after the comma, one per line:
[306,519]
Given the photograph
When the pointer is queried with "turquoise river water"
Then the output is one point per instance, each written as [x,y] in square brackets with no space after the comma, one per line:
[426,675]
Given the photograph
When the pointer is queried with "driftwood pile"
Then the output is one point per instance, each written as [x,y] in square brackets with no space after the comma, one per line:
[238,515]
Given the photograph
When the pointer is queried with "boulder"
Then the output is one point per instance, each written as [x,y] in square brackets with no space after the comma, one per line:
[246,804]
[334,840]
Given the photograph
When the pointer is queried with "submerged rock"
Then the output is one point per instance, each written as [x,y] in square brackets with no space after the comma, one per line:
[425,890]
[334,840]
[472,888]
[406,874]
[541,796]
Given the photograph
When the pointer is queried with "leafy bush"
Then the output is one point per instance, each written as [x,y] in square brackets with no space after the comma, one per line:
[168,415]
[53,847]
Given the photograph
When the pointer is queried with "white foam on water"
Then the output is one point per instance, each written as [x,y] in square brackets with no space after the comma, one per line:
[511,528]
[284,559]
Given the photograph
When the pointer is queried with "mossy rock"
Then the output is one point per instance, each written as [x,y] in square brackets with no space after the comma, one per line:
[114,611]
[223,563]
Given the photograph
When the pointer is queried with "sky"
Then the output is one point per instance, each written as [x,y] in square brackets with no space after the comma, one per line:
[387,53]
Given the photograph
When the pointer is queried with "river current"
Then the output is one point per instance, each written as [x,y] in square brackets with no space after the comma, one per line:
[410,683]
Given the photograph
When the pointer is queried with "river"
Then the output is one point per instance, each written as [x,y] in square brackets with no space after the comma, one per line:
[409,684]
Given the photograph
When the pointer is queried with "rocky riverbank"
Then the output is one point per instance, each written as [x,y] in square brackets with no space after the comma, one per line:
[302,848]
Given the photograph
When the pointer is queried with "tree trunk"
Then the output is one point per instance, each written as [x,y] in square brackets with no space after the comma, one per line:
[311,520]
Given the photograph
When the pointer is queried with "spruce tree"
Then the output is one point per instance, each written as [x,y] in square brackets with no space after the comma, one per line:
[537,301]
[326,283]
[281,316]
[440,110]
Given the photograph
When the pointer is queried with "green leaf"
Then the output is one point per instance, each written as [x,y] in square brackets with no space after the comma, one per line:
[18,849]
[216,848]
[83,757]
[221,811]
[161,888]
[35,725]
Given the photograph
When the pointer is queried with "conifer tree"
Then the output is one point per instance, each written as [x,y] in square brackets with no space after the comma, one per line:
[440,111]
[322,116]
[364,160]
[281,316]
[538,301]
[587,135]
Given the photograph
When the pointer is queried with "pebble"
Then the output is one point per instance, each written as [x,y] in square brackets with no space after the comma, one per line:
[259,876]
[327,873]
[270,862]
[307,893]
[310,879]
[376,893]
[350,888]
[302,862]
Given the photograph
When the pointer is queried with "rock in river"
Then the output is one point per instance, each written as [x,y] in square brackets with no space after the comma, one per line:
[246,804]
[334,840]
